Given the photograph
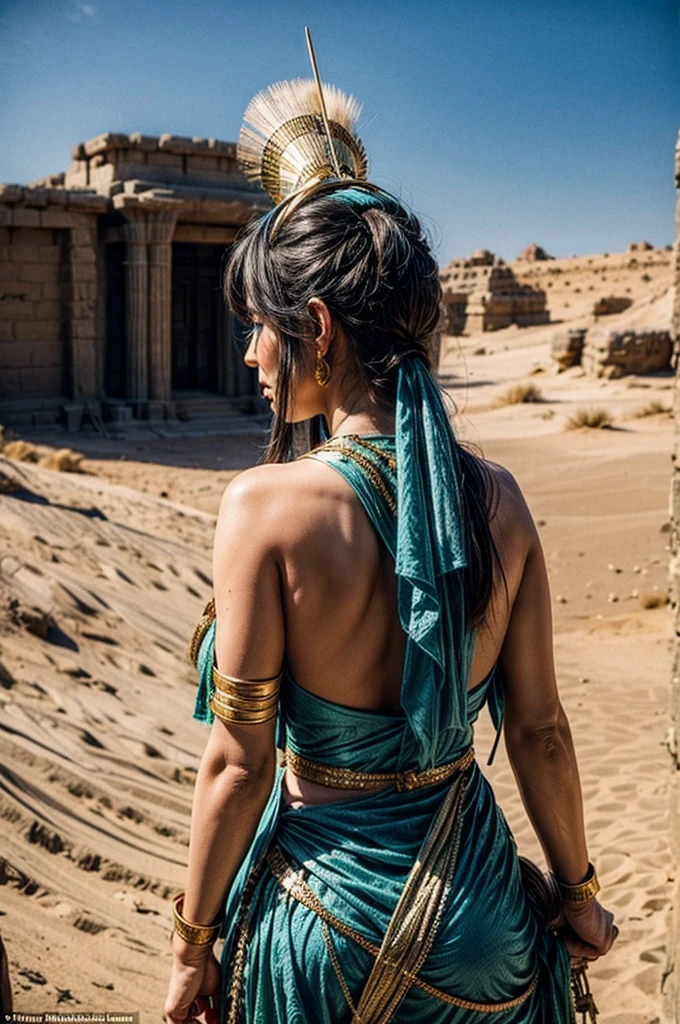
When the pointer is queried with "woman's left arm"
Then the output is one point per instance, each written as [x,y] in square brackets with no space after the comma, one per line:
[237,768]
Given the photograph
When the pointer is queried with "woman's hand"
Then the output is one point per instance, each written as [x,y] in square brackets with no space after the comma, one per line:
[195,976]
[590,931]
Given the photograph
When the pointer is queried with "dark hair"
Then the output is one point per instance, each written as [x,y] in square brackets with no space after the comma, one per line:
[367,258]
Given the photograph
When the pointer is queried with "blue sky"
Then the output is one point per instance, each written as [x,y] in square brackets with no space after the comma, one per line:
[500,122]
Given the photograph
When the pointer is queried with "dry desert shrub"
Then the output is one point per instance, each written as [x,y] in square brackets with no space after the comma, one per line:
[652,599]
[592,419]
[22,451]
[63,460]
[654,408]
[520,393]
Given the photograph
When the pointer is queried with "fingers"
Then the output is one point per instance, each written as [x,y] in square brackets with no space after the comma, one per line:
[579,949]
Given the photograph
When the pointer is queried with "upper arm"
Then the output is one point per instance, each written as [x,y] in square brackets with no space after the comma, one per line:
[526,658]
[249,637]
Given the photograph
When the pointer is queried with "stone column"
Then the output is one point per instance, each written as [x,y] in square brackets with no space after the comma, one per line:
[161,225]
[136,307]
[671,986]
[84,287]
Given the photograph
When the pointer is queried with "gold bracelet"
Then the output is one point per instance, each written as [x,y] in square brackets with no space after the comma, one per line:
[195,934]
[244,701]
[584,891]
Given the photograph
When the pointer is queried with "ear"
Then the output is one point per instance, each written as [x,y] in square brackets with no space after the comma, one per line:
[323,320]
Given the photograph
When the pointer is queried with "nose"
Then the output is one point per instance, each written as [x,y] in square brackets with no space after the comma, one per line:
[249,356]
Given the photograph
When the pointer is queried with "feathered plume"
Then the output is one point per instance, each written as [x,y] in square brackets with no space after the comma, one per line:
[283,143]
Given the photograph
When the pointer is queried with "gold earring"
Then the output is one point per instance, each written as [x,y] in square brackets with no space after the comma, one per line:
[322,371]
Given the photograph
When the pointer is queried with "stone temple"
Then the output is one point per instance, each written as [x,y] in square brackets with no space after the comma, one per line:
[481,293]
[110,284]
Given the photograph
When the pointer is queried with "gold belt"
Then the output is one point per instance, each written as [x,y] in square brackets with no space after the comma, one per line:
[346,778]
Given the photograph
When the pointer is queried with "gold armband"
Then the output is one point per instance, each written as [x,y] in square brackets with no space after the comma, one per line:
[584,891]
[196,934]
[244,701]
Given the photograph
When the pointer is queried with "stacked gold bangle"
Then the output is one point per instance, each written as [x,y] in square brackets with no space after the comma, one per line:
[196,934]
[244,701]
[584,891]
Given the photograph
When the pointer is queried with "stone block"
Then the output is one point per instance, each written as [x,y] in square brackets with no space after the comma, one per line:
[83,236]
[84,273]
[176,143]
[40,381]
[10,273]
[12,193]
[10,383]
[83,330]
[41,272]
[162,159]
[83,254]
[45,310]
[82,291]
[83,309]
[148,143]
[103,175]
[52,291]
[566,347]
[6,331]
[76,179]
[55,219]
[24,217]
[609,353]
[4,236]
[14,304]
[51,254]
[25,253]
[6,216]
[108,140]
[610,304]
[86,199]
[14,355]
[38,330]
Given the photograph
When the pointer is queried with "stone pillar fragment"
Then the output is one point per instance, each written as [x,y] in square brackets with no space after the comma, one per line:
[136,306]
[671,985]
[160,228]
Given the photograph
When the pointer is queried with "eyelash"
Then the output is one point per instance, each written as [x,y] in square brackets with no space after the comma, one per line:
[254,333]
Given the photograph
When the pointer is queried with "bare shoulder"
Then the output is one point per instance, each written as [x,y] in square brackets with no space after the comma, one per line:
[278,496]
[513,517]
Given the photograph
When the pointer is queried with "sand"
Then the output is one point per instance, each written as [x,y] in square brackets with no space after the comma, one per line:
[103,575]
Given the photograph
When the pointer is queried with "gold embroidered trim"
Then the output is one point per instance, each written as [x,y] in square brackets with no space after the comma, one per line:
[294,884]
[241,944]
[346,778]
[339,446]
[202,627]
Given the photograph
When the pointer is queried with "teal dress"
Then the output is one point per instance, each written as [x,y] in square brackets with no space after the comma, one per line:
[492,958]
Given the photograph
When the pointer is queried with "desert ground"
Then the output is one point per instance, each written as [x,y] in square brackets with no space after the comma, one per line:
[103,574]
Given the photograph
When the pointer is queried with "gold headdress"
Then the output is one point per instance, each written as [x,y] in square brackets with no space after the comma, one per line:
[298,138]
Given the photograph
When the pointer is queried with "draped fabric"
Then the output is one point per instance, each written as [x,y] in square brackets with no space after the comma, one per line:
[356,854]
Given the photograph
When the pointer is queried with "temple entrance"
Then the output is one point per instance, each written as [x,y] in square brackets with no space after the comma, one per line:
[198,317]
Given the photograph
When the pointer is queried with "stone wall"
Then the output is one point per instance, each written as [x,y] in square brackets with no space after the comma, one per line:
[672,983]
[48,289]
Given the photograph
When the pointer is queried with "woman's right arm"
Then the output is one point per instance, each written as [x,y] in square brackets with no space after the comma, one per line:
[538,738]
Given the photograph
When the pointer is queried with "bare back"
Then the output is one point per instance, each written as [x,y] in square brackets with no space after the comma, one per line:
[343,640]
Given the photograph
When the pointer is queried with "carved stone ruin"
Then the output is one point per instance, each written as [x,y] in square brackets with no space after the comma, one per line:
[110,290]
[566,347]
[608,353]
[481,293]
